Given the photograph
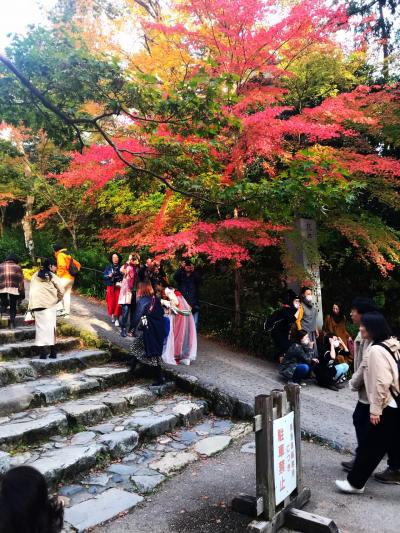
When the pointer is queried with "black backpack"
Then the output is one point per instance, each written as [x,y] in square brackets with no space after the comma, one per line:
[397,361]
[273,321]
[73,268]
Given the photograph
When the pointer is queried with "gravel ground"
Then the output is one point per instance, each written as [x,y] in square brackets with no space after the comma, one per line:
[198,499]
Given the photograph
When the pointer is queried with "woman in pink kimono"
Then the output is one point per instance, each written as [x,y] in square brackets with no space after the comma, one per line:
[181,344]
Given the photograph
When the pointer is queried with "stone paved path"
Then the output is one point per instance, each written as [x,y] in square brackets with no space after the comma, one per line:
[326,415]
[103,438]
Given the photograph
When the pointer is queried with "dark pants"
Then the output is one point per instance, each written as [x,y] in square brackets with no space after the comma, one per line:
[361,421]
[132,309]
[9,300]
[123,320]
[376,442]
[361,424]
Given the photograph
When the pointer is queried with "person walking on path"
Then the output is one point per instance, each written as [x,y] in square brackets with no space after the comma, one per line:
[11,286]
[296,364]
[335,324]
[379,373]
[307,318]
[127,298]
[25,504]
[147,344]
[112,277]
[359,307]
[330,371]
[45,292]
[188,280]
[67,268]
[281,321]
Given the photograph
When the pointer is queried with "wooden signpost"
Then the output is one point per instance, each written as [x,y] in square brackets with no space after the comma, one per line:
[279,485]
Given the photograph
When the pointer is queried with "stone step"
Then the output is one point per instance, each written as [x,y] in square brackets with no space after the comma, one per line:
[28,349]
[49,390]
[5,320]
[16,335]
[41,423]
[92,499]
[29,369]
[63,457]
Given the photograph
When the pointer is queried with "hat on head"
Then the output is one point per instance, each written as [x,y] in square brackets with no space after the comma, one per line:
[57,247]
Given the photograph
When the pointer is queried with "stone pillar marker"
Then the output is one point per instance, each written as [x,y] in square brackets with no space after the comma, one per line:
[302,247]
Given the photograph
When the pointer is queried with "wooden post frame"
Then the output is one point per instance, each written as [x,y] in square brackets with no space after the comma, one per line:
[279,480]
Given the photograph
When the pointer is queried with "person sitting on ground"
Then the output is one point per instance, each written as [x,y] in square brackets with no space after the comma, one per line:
[281,321]
[379,373]
[11,286]
[335,324]
[329,372]
[45,292]
[297,361]
[25,505]
[112,277]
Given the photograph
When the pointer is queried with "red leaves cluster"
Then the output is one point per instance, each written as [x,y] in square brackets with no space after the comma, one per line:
[99,164]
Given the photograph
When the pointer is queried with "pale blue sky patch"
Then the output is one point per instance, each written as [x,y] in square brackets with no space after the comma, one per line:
[16,15]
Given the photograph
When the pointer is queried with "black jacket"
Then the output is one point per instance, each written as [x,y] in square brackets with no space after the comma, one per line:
[188,285]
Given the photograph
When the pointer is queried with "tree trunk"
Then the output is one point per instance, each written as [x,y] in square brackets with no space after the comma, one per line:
[385,42]
[238,286]
[26,223]
[238,297]
[2,219]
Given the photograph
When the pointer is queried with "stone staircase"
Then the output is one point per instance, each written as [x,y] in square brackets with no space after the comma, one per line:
[102,437]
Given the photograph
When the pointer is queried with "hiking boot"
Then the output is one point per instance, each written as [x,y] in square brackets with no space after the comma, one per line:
[53,352]
[390,477]
[124,332]
[347,465]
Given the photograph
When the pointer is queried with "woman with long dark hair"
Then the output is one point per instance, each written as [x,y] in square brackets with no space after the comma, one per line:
[112,277]
[335,324]
[148,324]
[25,505]
[380,375]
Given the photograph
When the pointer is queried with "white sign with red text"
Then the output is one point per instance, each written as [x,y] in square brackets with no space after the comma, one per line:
[284,457]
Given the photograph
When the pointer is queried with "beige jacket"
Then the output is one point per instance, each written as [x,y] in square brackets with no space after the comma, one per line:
[44,294]
[360,348]
[379,374]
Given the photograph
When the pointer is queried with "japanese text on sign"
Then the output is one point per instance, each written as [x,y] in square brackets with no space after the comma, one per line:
[284,457]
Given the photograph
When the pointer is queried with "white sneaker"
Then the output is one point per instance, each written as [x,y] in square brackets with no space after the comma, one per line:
[60,312]
[344,486]
[116,323]
[112,319]
[185,362]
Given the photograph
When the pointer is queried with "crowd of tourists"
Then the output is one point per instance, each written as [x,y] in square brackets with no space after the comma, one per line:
[372,362]
[160,319]
[161,322]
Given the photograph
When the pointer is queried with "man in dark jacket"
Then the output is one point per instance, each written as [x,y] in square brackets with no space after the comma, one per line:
[188,281]
[11,286]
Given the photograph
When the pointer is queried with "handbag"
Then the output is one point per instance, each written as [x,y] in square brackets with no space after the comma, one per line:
[137,348]
[29,318]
